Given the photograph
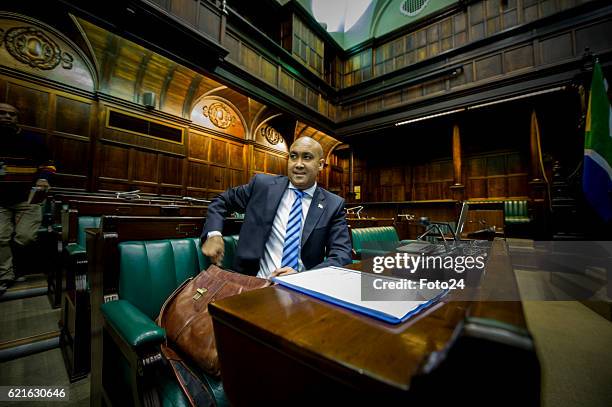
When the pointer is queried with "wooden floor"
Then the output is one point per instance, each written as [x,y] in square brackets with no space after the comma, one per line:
[574,345]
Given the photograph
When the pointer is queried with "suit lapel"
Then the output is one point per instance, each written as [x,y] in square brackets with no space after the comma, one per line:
[317,207]
[275,193]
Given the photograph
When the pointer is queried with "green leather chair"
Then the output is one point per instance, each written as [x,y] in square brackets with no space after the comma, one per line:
[149,272]
[517,222]
[84,222]
[231,244]
[516,212]
[375,241]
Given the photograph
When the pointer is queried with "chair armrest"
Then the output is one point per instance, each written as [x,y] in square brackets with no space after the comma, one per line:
[131,324]
[74,249]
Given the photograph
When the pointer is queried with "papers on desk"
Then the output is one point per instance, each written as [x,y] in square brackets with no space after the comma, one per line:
[343,287]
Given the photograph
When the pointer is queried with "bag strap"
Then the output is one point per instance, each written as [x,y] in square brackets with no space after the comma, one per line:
[193,388]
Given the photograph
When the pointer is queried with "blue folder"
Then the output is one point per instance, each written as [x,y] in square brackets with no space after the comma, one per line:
[361,309]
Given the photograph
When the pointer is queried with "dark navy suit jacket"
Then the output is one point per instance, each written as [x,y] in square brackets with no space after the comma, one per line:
[324,234]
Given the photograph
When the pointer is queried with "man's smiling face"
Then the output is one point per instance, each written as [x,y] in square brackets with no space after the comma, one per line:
[305,162]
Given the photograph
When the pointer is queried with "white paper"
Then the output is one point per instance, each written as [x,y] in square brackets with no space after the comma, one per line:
[344,284]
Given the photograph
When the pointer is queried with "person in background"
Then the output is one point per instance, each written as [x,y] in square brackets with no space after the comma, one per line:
[24,164]
[290,223]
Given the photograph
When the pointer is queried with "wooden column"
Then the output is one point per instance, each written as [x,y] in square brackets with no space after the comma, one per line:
[351,179]
[457,154]
[457,188]
[537,184]
[534,148]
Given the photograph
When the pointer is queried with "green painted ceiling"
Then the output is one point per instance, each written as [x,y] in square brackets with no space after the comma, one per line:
[351,22]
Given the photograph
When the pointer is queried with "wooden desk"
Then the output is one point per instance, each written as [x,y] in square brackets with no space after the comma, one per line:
[276,344]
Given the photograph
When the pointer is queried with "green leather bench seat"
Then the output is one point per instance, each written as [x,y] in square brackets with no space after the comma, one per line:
[516,212]
[84,222]
[374,241]
[149,272]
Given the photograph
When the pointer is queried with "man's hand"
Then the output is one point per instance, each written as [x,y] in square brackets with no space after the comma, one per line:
[283,271]
[214,248]
[43,184]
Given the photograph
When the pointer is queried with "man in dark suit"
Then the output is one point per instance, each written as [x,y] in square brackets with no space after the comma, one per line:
[290,223]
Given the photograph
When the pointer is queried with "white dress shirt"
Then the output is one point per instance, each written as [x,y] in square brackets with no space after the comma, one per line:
[273,251]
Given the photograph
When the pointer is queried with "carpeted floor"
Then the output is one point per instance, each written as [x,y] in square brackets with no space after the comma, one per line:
[574,345]
[27,317]
[44,369]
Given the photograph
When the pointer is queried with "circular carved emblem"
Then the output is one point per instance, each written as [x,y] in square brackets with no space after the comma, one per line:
[273,136]
[219,114]
[33,47]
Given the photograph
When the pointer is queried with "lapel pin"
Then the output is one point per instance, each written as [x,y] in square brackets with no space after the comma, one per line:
[320,206]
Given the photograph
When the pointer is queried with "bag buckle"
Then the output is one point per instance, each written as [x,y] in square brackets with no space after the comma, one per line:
[200,292]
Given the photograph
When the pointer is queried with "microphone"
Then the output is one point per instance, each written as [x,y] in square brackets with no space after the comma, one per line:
[357,208]
[424,220]
[129,194]
[190,199]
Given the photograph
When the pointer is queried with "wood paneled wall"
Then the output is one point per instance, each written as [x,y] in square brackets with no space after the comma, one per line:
[502,175]
[407,182]
[64,121]
[91,156]
[494,175]
[267,161]
[415,164]
[481,19]
[212,165]
[335,176]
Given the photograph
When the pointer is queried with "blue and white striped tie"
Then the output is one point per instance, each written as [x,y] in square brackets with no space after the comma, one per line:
[291,248]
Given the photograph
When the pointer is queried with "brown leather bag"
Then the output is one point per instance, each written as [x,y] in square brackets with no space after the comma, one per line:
[185,315]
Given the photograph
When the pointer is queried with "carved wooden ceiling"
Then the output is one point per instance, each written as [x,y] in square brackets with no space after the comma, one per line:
[127,70]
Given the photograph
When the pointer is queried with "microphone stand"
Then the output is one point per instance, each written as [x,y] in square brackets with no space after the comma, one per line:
[431,227]
[358,208]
